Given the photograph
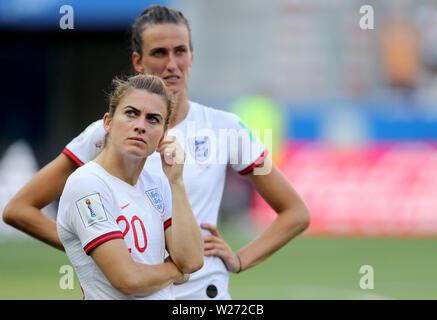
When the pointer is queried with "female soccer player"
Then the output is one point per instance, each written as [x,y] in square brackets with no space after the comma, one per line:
[161,42]
[112,214]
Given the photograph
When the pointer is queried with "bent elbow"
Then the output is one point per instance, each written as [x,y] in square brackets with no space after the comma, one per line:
[126,290]
[126,284]
[304,219]
[192,265]
[9,215]
[199,264]
[195,266]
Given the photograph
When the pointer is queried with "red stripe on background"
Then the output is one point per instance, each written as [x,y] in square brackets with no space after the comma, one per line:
[102,239]
[167,223]
[255,164]
[75,159]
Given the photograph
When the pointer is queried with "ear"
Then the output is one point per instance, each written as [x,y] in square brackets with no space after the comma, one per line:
[107,121]
[136,61]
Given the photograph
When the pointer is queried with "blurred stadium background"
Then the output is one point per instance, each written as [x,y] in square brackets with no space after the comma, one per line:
[354,117]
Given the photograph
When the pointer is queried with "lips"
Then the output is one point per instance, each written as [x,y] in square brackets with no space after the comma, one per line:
[171,79]
[137,139]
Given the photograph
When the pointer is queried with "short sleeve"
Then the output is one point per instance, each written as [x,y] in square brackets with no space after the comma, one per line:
[246,151]
[86,146]
[85,206]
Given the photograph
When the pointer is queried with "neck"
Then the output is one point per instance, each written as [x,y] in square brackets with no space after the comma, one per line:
[181,109]
[122,166]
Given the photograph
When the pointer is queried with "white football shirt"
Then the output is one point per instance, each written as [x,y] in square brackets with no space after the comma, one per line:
[96,207]
[212,140]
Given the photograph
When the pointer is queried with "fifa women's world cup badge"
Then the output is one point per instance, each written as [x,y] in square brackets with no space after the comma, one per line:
[88,203]
[91,209]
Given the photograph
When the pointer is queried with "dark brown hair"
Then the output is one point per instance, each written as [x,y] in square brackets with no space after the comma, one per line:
[153,15]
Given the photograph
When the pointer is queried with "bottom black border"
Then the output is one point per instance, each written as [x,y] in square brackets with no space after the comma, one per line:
[248,309]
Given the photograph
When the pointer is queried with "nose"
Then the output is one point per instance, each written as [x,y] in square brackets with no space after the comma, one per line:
[171,63]
[140,126]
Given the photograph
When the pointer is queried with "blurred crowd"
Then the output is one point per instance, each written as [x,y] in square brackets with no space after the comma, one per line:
[410,50]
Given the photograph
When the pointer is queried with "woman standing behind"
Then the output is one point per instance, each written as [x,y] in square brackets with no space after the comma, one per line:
[115,219]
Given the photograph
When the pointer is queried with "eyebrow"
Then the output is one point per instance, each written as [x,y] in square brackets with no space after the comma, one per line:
[157,49]
[138,111]
[181,46]
[131,107]
[154,115]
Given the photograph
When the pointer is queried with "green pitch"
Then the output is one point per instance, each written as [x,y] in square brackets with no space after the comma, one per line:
[307,268]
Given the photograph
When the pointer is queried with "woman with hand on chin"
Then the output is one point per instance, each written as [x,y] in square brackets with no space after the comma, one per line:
[115,220]
[162,46]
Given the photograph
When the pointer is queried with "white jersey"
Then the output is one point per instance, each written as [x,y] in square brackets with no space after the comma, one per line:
[96,207]
[209,138]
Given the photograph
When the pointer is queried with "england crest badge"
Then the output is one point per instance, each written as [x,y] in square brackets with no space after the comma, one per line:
[201,148]
[156,199]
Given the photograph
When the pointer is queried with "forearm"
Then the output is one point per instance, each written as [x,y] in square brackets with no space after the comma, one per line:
[24,210]
[148,279]
[292,219]
[287,225]
[187,242]
[128,276]
[33,222]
